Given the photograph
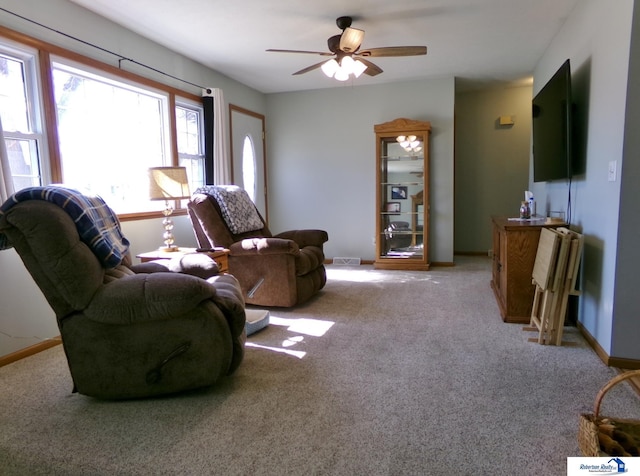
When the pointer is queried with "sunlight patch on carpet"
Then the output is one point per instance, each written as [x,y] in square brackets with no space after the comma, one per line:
[295,353]
[292,341]
[370,275]
[310,327]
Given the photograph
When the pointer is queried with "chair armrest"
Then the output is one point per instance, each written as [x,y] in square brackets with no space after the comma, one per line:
[305,237]
[148,297]
[195,264]
[156,266]
[229,299]
[263,246]
[227,287]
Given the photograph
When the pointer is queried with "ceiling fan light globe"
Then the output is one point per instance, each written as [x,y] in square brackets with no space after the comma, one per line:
[401,138]
[330,68]
[358,68]
[341,75]
[411,138]
[347,64]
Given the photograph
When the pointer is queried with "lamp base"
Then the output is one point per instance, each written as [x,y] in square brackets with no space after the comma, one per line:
[169,249]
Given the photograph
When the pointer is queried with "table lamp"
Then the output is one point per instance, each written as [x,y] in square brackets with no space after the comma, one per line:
[168,183]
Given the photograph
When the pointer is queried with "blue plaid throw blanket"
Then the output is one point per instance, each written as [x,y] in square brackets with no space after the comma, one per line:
[97,224]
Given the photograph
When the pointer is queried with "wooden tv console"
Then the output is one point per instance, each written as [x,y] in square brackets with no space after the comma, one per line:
[515,244]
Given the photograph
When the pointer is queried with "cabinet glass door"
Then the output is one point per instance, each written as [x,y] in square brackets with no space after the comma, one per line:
[401,189]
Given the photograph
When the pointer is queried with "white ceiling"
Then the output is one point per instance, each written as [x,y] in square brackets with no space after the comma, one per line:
[477,41]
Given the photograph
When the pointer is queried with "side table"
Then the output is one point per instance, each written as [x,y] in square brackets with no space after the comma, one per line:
[219,255]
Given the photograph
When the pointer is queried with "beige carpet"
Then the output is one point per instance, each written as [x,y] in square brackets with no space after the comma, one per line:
[384,373]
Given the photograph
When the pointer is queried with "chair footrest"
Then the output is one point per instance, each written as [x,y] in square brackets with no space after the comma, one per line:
[256,319]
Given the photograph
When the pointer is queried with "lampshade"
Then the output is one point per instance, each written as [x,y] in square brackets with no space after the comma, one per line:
[168,183]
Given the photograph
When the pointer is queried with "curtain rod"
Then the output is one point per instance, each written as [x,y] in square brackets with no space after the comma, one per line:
[119,56]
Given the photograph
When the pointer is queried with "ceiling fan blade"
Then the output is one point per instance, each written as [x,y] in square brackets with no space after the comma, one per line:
[309,68]
[351,39]
[372,69]
[321,53]
[395,51]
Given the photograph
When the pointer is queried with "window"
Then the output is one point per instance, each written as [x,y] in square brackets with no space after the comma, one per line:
[111,126]
[249,168]
[110,133]
[189,127]
[20,116]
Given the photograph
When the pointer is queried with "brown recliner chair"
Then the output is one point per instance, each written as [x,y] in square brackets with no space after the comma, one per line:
[273,270]
[398,235]
[128,331]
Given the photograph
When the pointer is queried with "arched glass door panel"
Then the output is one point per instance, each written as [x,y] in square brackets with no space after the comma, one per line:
[249,168]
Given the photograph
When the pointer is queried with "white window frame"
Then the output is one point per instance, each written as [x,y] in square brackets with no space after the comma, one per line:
[35,117]
[96,74]
[200,157]
[51,163]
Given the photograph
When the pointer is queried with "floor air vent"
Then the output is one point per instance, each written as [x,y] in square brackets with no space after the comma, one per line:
[347,261]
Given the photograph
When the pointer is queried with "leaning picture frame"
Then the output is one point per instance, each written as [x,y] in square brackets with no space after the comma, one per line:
[399,193]
[393,208]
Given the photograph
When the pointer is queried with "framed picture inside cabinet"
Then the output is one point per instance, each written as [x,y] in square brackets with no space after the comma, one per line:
[393,208]
[398,193]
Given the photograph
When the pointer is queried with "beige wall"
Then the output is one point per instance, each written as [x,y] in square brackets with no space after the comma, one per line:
[491,161]
[321,153]
[605,106]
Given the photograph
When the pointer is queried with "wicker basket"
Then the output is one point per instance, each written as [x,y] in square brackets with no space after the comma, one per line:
[588,439]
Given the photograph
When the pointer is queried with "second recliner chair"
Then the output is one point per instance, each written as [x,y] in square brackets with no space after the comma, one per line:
[280,270]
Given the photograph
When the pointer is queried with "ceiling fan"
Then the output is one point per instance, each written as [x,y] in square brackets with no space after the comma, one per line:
[348,58]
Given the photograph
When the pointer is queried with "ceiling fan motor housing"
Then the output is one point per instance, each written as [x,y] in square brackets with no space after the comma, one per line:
[343,22]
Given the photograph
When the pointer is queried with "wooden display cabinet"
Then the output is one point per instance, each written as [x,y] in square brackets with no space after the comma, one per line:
[402,196]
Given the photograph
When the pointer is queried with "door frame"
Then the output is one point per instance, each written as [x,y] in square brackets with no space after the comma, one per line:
[261,117]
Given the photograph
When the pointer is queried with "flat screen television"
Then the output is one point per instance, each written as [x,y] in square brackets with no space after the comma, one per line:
[552,131]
